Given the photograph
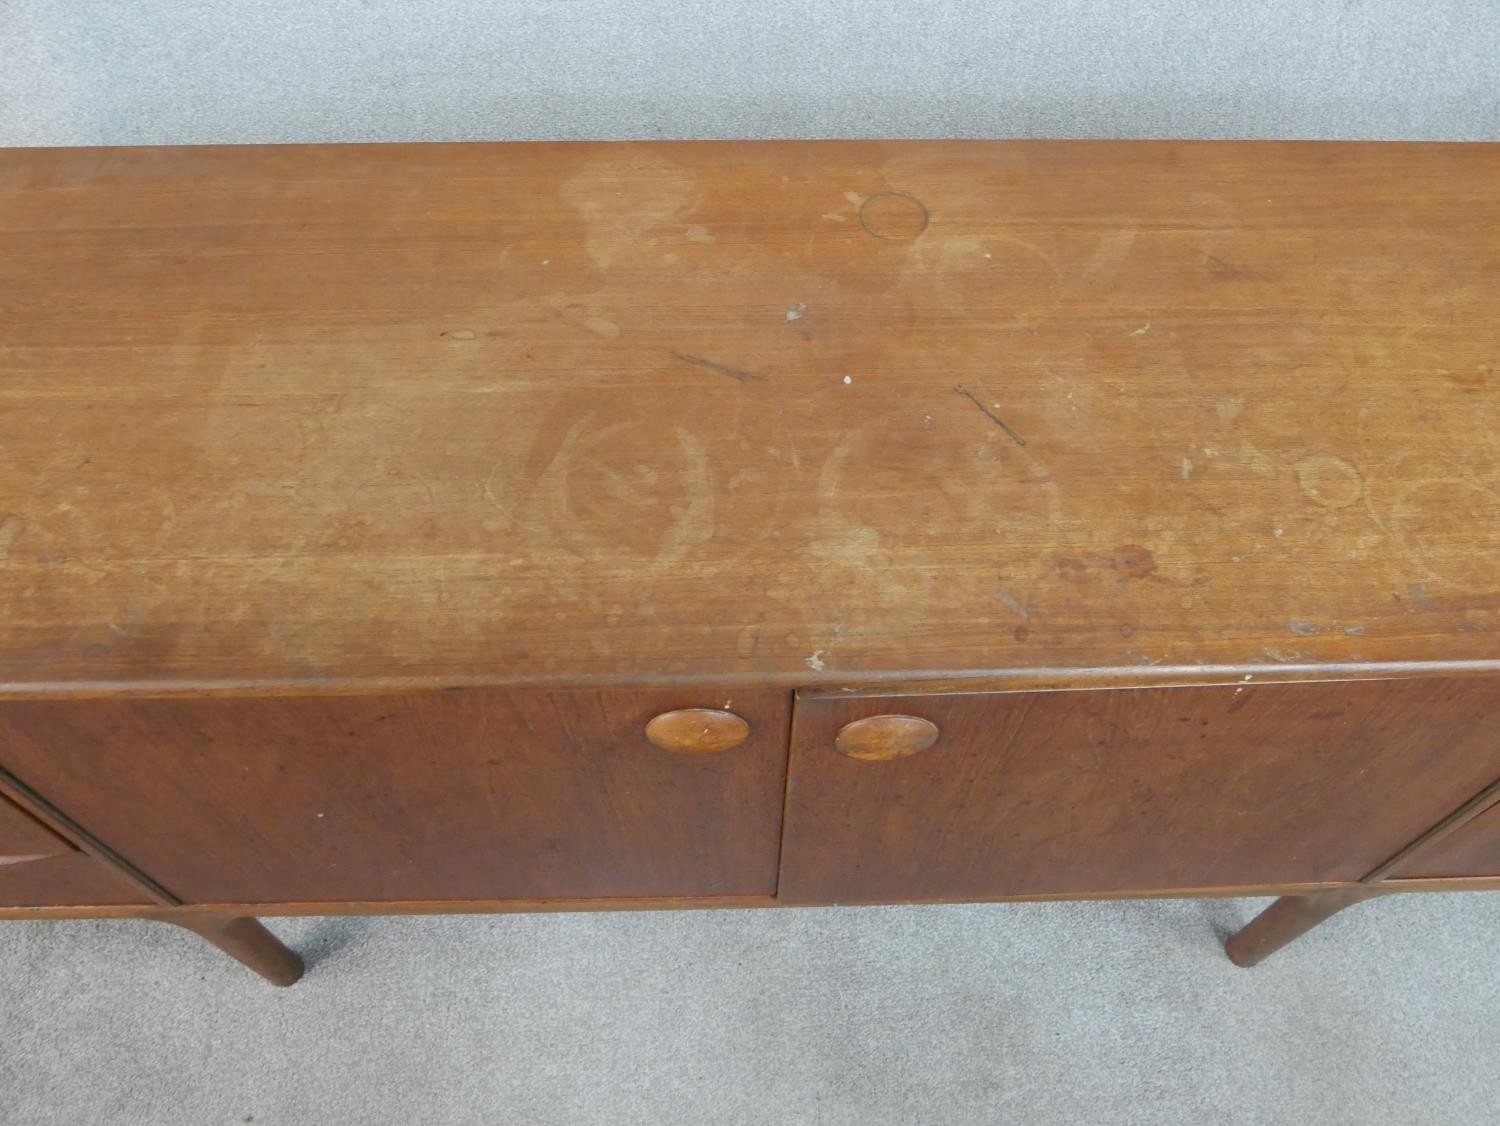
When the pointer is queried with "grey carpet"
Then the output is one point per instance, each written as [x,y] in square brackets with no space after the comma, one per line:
[1036,1014]
[1022,1013]
[173,71]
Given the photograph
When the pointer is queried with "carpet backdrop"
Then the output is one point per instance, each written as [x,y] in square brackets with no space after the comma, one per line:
[86,72]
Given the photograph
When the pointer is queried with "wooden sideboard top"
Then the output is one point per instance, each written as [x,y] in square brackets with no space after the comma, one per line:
[807,413]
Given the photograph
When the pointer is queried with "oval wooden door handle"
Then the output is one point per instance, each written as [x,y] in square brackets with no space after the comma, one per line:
[697,731]
[882,737]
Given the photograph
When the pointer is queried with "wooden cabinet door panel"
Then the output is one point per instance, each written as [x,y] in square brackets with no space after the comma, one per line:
[72,880]
[40,869]
[24,838]
[1079,792]
[1473,849]
[445,796]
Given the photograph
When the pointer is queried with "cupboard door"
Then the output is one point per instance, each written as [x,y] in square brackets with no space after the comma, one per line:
[23,838]
[40,869]
[1473,849]
[444,796]
[1100,791]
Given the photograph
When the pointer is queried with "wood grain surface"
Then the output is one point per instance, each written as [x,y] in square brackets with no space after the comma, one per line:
[75,882]
[1470,851]
[23,838]
[436,796]
[1092,792]
[794,412]
[38,868]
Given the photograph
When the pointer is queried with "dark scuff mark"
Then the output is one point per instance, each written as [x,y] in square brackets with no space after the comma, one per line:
[1225,270]
[996,419]
[722,369]
[1134,561]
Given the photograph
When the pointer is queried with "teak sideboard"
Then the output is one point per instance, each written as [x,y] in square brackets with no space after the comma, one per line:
[392,528]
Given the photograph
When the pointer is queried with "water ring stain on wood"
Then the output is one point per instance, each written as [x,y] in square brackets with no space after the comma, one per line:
[894,216]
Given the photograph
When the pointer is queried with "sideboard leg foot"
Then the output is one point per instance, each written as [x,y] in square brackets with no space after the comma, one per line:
[1289,918]
[244,940]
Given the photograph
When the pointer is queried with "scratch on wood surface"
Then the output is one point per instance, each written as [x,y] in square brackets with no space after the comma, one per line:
[996,419]
[1285,657]
[1420,597]
[489,493]
[791,434]
[1224,269]
[11,527]
[722,369]
[1015,605]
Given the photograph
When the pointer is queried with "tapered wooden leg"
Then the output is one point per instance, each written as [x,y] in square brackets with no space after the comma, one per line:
[244,940]
[1290,917]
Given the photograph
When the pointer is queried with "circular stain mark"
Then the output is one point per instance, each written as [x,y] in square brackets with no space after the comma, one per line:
[1451,530]
[1329,481]
[1134,561]
[895,216]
